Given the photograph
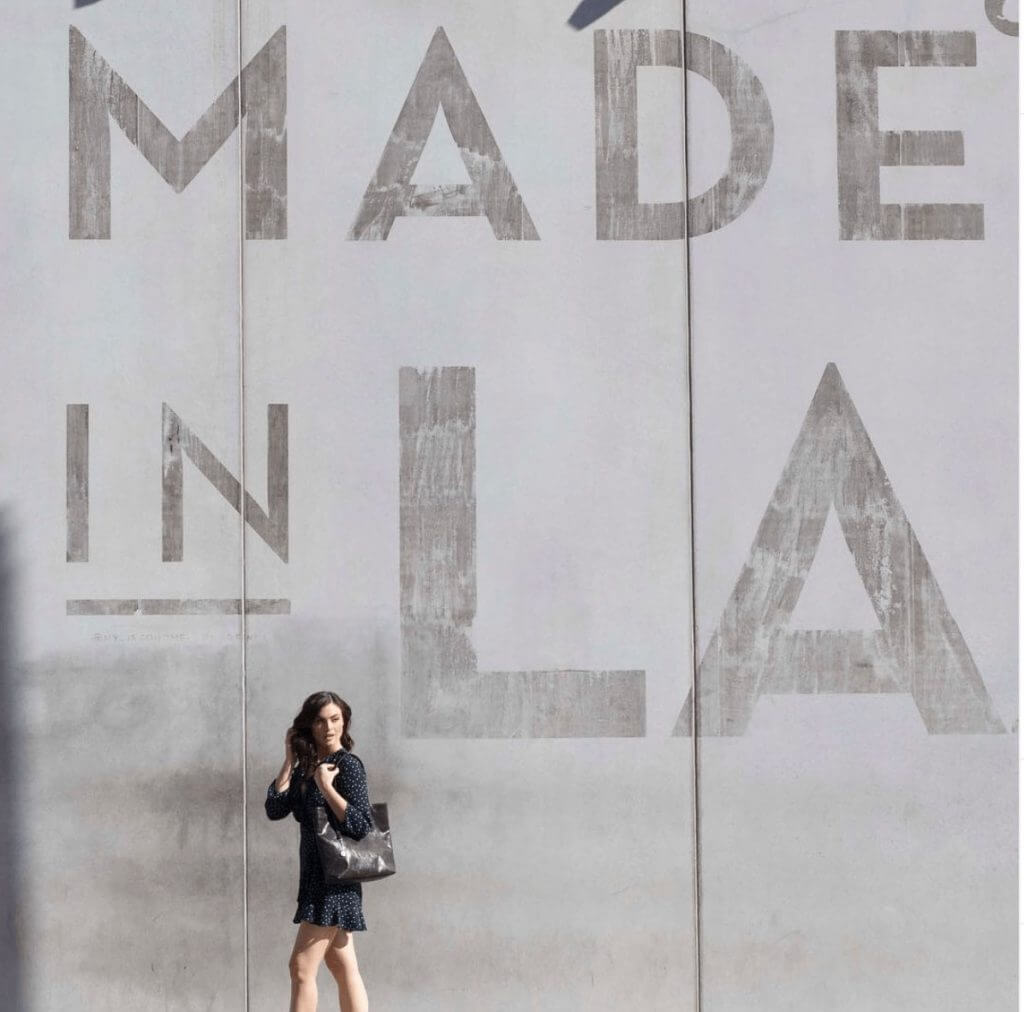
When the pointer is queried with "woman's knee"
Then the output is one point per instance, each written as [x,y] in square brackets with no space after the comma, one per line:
[302,969]
[341,955]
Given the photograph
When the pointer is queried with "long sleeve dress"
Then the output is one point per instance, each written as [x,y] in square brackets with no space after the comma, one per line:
[320,902]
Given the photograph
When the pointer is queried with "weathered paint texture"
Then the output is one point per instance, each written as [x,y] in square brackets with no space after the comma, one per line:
[995,10]
[441,82]
[863,147]
[620,215]
[123,606]
[77,435]
[271,526]
[443,693]
[919,649]
[751,127]
[97,91]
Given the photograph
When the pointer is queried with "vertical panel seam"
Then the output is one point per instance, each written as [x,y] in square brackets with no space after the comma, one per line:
[242,498]
[694,694]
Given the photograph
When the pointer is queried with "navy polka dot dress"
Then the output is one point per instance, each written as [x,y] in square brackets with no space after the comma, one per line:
[319,902]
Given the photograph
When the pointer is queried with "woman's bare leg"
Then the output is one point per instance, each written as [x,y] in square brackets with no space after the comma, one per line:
[341,961]
[311,942]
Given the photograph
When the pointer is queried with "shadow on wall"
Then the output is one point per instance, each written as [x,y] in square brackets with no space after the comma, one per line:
[11,908]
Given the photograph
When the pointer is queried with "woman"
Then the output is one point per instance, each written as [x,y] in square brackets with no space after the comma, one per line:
[319,772]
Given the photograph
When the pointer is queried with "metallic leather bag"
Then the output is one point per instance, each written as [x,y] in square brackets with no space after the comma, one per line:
[345,859]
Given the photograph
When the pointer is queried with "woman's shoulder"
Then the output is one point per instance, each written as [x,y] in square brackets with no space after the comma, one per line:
[351,760]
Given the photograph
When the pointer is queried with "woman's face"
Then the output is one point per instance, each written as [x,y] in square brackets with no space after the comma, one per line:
[327,728]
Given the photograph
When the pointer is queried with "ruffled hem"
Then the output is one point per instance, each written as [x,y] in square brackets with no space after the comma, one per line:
[326,918]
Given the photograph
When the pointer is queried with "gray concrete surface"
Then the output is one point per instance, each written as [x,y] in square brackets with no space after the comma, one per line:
[443,469]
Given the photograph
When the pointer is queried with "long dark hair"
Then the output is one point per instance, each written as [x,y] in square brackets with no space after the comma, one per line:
[303,744]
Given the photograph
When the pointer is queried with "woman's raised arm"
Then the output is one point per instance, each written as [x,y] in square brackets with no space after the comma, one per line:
[279,802]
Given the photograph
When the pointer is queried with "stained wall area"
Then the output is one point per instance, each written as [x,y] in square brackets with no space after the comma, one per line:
[551,395]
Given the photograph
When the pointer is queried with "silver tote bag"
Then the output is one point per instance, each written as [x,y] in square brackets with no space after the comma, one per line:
[345,859]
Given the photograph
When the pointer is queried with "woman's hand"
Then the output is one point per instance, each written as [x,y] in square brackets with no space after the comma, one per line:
[325,774]
[289,752]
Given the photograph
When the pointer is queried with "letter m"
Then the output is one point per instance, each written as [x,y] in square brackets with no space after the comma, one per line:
[98,92]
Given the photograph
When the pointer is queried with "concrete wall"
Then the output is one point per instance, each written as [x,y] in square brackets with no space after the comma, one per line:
[858,751]
[453,404]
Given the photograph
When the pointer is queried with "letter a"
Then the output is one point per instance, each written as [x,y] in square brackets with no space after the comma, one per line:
[493,192]
[919,648]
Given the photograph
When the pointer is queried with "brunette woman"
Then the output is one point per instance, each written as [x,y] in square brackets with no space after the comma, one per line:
[319,772]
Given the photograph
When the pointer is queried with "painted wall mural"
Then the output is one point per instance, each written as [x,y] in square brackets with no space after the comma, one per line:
[620,415]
